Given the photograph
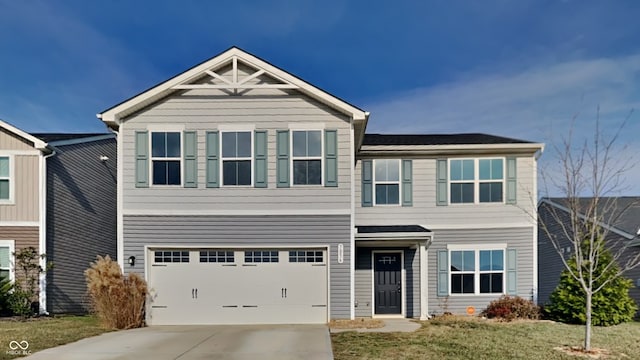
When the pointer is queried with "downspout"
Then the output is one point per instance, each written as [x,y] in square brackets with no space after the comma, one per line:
[42,296]
[119,200]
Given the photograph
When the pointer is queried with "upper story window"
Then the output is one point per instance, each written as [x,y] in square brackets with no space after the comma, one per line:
[5,179]
[236,158]
[387,181]
[166,158]
[307,157]
[476,180]
[477,271]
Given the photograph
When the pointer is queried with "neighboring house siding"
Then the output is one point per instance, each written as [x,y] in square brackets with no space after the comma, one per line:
[520,239]
[424,210]
[25,207]
[24,237]
[248,231]
[81,219]
[10,141]
[276,110]
[364,282]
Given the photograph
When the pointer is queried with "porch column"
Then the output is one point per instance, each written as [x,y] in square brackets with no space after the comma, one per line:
[424,285]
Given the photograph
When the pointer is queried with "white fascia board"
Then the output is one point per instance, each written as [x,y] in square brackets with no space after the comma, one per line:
[394,236]
[37,143]
[451,149]
[112,115]
[82,140]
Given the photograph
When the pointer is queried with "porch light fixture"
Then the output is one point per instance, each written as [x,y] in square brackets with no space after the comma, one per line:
[132,260]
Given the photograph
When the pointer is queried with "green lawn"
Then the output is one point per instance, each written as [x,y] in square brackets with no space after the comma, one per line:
[464,338]
[43,333]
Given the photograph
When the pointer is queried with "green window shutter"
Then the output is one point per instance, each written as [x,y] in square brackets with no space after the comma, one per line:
[260,142]
[511,180]
[443,273]
[331,158]
[190,159]
[512,272]
[441,183]
[407,179]
[367,183]
[213,166]
[282,158]
[142,159]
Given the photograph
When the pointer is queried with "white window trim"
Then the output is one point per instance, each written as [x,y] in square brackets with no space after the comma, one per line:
[476,180]
[293,157]
[222,158]
[152,158]
[11,244]
[476,277]
[398,182]
[12,180]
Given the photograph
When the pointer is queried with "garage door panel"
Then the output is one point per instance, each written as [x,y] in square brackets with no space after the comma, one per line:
[247,287]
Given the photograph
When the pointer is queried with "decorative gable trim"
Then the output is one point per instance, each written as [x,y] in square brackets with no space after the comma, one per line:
[233,56]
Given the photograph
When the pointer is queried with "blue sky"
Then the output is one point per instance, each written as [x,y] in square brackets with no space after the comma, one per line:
[521,68]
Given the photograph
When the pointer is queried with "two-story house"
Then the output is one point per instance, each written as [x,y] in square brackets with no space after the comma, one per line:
[57,195]
[247,195]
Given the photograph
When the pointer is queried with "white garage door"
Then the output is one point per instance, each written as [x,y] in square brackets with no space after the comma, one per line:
[248,286]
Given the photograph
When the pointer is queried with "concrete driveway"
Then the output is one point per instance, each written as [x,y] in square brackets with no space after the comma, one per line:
[307,342]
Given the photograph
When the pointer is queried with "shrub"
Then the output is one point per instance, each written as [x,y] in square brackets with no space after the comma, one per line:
[610,306]
[118,300]
[510,308]
[23,301]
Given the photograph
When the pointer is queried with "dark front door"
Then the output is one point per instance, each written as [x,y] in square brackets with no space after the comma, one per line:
[387,274]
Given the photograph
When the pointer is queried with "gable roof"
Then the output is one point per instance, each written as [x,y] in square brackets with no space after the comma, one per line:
[114,114]
[37,143]
[438,139]
[623,216]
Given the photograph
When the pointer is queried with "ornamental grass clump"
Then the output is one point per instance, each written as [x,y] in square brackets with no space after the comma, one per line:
[116,299]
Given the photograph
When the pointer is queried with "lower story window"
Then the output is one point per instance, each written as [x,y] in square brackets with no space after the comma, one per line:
[5,262]
[477,271]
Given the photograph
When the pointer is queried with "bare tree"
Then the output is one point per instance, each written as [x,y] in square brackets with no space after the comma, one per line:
[587,176]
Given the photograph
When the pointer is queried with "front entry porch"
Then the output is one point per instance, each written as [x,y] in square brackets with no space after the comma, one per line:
[391,271]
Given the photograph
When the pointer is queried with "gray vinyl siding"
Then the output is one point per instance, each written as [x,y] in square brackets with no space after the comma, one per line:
[248,231]
[520,239]
[424,210]
[81,219]
[271,110]
[364,282]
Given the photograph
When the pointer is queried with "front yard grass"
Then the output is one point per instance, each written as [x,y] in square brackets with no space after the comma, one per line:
[47,332]
[474,338]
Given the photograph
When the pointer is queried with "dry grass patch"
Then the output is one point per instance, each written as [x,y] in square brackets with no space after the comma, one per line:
[46,332]
[453,337]
[360,323]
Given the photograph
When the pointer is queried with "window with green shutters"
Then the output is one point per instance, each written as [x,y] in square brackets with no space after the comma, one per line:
[307,157]
[166,157]
[237,158]
[386,178]
[476,181]
[476,270]
[5,179]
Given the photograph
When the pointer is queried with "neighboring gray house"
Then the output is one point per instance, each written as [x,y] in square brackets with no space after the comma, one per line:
[57,196]
[81,179]
[247,195]
[622,220]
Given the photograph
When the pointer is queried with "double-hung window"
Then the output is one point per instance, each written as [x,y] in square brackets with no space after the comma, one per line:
[387,181]
[5,179]
[477,271]
[307,157]
[166,157]
[476,180]
[236,158]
